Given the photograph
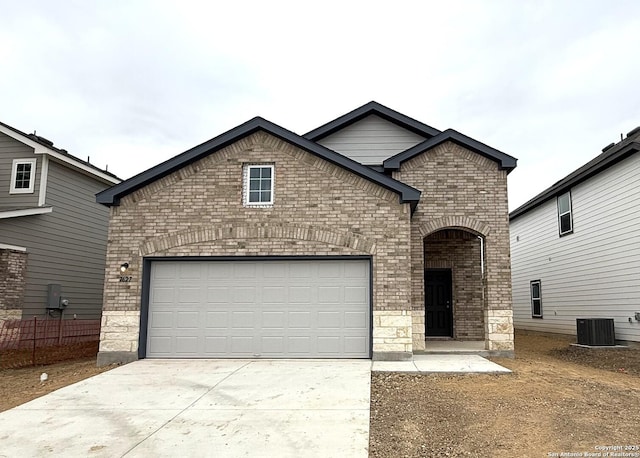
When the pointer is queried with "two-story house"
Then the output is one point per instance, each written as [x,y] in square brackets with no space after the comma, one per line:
[575,247]
[53,235]
[369,236]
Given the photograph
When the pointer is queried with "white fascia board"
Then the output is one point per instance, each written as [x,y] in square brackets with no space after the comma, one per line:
[37,147]
[4,246]
[25,212]
[40,149]
[79,165]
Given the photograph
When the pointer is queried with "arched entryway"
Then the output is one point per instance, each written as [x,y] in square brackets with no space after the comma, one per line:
[454,293]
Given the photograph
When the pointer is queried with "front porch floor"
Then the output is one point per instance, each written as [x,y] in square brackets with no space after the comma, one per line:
[441,363]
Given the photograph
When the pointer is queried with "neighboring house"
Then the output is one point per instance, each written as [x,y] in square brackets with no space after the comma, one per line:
[52,232]
[268,244]
[575,248]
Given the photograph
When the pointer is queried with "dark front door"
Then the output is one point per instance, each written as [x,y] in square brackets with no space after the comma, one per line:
[437,303]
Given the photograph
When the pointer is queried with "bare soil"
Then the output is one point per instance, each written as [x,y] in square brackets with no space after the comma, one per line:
[18,386]
[559,399]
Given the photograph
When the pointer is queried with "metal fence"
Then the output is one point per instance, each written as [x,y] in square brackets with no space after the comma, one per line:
[43,341]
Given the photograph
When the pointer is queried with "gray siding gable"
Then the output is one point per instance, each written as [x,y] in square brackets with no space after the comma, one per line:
[371,108]
[371,140]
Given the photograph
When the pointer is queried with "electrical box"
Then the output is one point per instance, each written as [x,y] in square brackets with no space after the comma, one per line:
[596,331]
[54,297]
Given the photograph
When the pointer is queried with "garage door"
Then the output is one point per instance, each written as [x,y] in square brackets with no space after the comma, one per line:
[259,309]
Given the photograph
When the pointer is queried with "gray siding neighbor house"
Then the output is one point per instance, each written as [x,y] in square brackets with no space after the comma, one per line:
[575,248]
[368,237]
[52,232]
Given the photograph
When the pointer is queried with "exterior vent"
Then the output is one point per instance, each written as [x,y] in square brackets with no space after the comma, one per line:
[609,146]
[596,331]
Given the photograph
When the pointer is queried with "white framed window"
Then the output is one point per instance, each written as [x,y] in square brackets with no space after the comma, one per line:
[258,185]
[565,217]
[536,299]
[23,176]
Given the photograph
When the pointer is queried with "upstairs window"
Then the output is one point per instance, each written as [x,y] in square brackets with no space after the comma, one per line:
[565,219]
[536,299]
[258,185]
[23,174]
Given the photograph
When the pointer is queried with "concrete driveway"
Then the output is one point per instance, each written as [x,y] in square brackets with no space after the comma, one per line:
[221,408]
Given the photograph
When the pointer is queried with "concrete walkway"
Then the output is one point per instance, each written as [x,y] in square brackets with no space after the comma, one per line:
[200,408]
[440,363]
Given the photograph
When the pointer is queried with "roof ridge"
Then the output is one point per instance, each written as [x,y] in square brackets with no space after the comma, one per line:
[368,109]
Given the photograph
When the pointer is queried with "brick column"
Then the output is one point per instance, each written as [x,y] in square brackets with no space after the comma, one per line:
[13,270]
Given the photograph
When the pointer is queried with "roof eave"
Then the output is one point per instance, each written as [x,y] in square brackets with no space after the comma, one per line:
[504,161]
[58,154]
[111,196]
[371,108]
[576,177]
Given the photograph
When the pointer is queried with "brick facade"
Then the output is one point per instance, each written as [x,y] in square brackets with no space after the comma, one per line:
[322,209]
[319,209]
[13,269]
[462,190]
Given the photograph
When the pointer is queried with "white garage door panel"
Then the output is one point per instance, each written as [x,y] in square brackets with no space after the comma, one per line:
[266,309]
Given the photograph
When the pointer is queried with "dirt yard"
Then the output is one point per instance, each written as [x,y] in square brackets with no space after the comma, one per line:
[18,386]
[559,399]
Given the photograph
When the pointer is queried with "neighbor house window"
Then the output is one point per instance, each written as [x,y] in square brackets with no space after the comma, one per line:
[23,175]
[536,299]
[565,220]
[258,185]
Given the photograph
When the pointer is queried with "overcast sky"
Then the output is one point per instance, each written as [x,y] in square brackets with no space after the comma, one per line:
[133,83]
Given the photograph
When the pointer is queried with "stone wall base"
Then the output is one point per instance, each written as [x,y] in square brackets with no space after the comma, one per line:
[417,323]
[10,315]
[499,330]
[119,331]
[392,332]
[116,357]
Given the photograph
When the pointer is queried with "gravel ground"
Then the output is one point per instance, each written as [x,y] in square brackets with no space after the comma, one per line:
[559,399]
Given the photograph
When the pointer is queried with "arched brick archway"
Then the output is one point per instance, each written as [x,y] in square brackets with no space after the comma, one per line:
[454,222]
[450,256]
[272,231]
[458,254]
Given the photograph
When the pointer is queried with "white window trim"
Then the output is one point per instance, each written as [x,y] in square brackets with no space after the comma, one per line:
[245,185]
[539,298]
[14,172]
[44,174]
[569,212]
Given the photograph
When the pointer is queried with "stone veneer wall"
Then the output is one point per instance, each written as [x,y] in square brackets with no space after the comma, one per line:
[460,251]
[13,271]
[319,209]
[463,190]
